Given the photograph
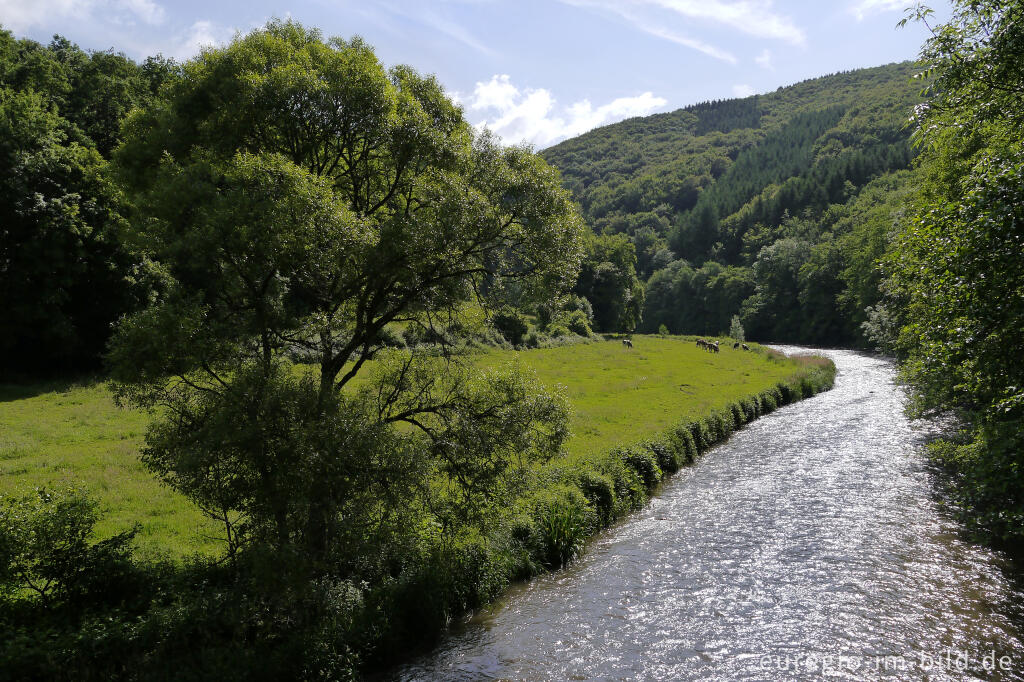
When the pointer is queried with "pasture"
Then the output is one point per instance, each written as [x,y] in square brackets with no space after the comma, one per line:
[61,434]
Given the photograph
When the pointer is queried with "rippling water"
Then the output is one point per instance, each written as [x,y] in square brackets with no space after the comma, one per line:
[811,543]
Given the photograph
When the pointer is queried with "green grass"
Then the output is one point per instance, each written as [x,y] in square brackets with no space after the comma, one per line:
[53,434]
[620,396]
[59,434]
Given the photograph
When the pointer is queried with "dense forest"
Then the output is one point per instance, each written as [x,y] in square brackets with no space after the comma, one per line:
[65,275]
[771,208]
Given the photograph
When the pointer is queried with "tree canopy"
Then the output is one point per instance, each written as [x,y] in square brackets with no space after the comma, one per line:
[298,198]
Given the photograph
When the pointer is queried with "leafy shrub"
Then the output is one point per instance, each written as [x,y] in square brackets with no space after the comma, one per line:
[739,418]
[512,325]
[682,436]
[558,330]
[577,323]
[736,329]
[600,493]
[565,521]
[581,304]
[45,550]
[668,455]
[641,460]
[388,337]
[702,438]
[545,312]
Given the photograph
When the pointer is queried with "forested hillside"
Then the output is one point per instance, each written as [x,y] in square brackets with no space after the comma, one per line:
[773,207]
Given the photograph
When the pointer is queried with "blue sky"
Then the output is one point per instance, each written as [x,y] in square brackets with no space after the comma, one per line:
[534,71]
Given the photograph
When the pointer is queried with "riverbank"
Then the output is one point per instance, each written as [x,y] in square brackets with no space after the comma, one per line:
[71,433]
[813,543]
[571,500]
[641,413]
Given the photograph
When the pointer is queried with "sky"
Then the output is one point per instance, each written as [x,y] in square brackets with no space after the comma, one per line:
[533,71]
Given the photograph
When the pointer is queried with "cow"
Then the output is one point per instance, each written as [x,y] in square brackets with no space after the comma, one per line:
[736,345]
[627,343]
[745,347]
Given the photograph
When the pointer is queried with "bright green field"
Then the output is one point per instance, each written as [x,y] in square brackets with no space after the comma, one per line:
[58,435]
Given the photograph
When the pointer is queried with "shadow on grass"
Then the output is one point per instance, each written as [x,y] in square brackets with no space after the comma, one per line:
[30,388]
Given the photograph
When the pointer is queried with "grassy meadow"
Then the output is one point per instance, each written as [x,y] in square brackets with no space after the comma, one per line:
[60,434]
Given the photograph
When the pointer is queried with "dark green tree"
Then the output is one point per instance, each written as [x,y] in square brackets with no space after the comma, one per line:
[64,278]
[608,280]
[300,198]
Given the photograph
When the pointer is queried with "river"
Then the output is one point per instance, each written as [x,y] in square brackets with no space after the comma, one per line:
[813,543]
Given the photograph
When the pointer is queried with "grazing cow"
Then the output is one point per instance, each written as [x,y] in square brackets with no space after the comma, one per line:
[627,343]
[736,345]
[701,343]
[713,347]
[746,347]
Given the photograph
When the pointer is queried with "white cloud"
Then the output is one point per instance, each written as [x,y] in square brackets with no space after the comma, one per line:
[21,15]
[532,115]
[743,90]
[753,17]
[865,7]
[201,34]
[147,10]
[764,60]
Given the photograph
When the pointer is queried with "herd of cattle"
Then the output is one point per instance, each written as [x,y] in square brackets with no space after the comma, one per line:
[709,346]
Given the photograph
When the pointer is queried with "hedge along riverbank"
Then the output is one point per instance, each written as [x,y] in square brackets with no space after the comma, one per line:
[570,500]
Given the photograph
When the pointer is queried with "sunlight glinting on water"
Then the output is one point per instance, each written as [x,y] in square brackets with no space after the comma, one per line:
[811,544]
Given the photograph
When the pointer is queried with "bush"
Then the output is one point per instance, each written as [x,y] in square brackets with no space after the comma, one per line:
[667,454]
[581,304]
[565,521]
[600,493]
[45,550]
[388,337]
[512,325]
[736,329]
[577,323]
[558,330]
[545,312]
[642,461]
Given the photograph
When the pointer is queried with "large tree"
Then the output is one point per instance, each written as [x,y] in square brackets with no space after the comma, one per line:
[300,198]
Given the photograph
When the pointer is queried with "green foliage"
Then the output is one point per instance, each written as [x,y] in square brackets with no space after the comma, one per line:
[608,281]
[65,276]
[712,186]
[736,329]
[258,615]
[954,303]
[298,240]
[45,550]
[512,325]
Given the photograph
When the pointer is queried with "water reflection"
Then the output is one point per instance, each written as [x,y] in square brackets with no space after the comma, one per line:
[810,544]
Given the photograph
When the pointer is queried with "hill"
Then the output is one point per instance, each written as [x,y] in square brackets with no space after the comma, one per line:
[772,207]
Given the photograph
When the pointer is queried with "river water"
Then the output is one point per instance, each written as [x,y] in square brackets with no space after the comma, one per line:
[812,544]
